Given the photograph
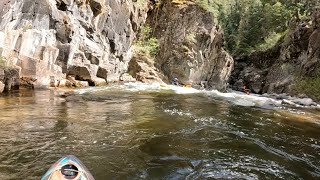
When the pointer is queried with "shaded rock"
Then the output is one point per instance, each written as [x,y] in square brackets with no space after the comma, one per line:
[2,75]
[73,82]
[65,83]
[27,82]
[276,70]
[102,73]
[10,78]
[80,73]
[190,45]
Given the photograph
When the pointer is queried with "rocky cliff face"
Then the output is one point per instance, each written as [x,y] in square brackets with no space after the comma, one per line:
[190,45]
[89,42]
[85,40]
[275,70]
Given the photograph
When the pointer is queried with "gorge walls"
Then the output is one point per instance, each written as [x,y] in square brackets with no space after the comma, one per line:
[277,70]
[61,43]
[50,41]
[190,45]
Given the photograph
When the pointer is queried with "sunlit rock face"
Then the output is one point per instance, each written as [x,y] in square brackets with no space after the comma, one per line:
[142,69]
[89,43]
[190,45]
[49,40]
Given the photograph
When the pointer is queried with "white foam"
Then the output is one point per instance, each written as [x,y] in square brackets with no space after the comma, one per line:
[243,99]
[183,90]
[138,86]
[235,97]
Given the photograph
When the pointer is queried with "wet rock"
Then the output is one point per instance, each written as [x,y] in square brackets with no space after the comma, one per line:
[73,82]
[81,84]
[126,77]
[65,83]
[304,102]
[99,81]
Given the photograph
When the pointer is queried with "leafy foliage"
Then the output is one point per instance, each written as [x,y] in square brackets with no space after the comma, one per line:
[310,86]
[191,38]
[253,25]
[140,3]
[216,7]
[2,62]
[146,44]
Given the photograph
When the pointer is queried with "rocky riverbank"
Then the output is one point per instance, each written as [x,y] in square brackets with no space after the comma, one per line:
[286,66]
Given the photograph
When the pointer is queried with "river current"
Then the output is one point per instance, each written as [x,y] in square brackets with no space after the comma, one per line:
[137,131]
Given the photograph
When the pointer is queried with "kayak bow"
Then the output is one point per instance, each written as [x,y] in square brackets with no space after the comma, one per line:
[68,168]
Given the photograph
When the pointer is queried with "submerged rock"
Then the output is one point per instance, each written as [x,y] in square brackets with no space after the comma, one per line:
[304,101]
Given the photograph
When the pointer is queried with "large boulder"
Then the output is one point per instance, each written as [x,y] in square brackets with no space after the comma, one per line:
[142,69]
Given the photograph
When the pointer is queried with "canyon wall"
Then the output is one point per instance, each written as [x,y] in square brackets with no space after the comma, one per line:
[55,41]
[276,70]
[78,43]
[191,45]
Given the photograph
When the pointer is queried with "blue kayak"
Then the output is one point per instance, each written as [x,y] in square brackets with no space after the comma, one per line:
[68,168]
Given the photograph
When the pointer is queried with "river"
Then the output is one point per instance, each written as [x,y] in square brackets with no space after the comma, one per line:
[137,131]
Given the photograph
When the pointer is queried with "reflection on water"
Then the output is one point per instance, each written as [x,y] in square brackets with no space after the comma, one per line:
[120,134]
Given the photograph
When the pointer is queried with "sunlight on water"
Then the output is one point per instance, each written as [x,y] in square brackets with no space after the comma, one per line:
[139,131]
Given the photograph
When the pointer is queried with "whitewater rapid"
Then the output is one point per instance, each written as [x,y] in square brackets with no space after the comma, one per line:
[234,97]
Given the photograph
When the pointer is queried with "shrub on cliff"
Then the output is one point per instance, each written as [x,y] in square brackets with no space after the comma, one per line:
[309,86]
[254,25]
[2,62]
[146,44]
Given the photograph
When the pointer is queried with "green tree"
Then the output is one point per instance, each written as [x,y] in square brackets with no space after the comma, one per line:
[146,44]
[252,24]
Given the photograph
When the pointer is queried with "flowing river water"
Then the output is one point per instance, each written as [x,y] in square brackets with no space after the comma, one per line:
[137,131]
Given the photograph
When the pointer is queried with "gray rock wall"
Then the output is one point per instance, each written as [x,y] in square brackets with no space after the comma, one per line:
[82,42]
[49,40]
[190,45]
